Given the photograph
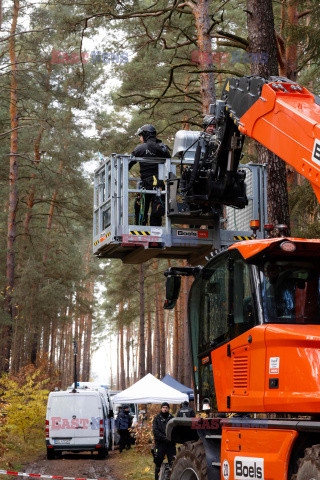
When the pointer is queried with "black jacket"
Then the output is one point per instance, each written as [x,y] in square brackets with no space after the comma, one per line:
[151,148]
[186,412]
[124,420]
[159,427]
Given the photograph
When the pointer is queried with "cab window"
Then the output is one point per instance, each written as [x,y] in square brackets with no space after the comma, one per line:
[242,304]
[214,304]
[291,291]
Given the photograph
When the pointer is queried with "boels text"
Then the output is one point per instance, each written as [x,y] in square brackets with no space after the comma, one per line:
[248,468]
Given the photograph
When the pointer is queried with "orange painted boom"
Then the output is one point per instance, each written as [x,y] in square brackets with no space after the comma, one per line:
[282,116]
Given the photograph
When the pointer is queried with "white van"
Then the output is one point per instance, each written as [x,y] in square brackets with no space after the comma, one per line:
[77,421]
[98,388]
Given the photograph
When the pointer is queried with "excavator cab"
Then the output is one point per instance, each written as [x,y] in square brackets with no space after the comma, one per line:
[249,310]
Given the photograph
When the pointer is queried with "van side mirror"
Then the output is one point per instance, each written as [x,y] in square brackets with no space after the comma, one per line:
[173,285]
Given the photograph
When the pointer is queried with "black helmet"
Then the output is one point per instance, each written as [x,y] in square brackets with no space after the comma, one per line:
[209,120]
[147,130]
[185,403]
[125,407]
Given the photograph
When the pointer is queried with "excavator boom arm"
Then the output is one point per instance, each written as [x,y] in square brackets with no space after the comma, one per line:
[282,116]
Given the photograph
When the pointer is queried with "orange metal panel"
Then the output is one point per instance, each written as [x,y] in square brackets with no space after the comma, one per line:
[288,354]
[256,453]
[243,380]
[298,349]
[249,248]
[287,123]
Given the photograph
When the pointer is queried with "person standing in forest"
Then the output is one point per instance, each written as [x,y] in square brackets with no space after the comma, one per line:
[186,411]
[163,446]
[151,147]
[123,423]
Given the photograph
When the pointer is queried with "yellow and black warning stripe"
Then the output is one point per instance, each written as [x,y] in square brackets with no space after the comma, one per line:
[102,239]
[96,243]
[237,237]
[135,232]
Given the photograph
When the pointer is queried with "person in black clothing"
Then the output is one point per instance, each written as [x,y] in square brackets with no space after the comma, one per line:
[150,147]
[185,410]
[124,422]
[209,124]
[163,446]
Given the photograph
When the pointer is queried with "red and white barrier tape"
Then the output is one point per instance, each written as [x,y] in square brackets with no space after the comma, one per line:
[35,475]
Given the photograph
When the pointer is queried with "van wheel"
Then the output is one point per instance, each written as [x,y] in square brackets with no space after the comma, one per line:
[309,465]
[50,454]
[102,453]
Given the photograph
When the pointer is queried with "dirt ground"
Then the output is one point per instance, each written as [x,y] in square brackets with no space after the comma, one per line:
[127,466]
[83,465]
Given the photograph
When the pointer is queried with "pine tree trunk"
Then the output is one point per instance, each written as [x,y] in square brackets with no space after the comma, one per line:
[292,45]
[37,156]
[262,41]
[118,359]
[156,346]
[187,346]
[87,349]
[168,344]
[162,344]
[34,348]
[175,351]
[46,338]
[111,374]
[128,356]
[6,331]
[136,358]
[149,344]
[17,346]
[181,355]
[61,345]
[122,370]
[207,83]
[50,215]
[142,350]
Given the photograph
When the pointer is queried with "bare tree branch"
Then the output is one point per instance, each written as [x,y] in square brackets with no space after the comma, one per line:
[238,39]
[303,14]
[26,31]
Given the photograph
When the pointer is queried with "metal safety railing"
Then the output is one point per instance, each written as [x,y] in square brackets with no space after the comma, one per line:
[114,195]
[115,232]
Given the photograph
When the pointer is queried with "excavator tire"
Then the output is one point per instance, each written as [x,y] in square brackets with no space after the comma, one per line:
[190,462]
[309,465]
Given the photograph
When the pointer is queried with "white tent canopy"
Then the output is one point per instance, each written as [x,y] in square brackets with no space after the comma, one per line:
[150,390]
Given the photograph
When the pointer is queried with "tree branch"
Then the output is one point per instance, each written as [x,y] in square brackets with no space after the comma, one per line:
[231,36]
[303,14]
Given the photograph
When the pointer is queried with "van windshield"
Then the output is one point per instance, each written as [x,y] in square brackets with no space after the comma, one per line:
[82,406]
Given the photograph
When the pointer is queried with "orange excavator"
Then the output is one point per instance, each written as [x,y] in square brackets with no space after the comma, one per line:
[254,314]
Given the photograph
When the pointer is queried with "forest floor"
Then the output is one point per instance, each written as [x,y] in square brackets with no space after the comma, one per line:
[129,465]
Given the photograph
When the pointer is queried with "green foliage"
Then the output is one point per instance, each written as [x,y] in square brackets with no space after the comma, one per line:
[305,212]
[24,398]
[53,266]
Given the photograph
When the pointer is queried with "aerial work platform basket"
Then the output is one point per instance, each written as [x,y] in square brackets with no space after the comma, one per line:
[115,234]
